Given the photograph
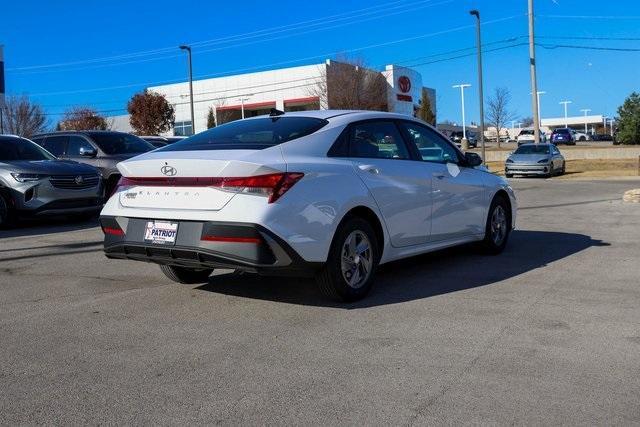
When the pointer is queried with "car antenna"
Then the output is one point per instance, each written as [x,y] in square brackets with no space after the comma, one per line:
[275,112]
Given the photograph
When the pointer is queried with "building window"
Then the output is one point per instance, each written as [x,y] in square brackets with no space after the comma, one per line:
[183,128]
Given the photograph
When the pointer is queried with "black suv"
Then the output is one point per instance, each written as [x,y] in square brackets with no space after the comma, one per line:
[101,149]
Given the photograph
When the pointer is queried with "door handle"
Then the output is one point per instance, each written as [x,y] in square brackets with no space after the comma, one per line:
[369,168]
[439,175]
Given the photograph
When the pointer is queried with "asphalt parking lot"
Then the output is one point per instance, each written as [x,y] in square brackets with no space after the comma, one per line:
[546,333]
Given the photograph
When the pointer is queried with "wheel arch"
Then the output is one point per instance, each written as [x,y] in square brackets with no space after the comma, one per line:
[503,194]
[372,218]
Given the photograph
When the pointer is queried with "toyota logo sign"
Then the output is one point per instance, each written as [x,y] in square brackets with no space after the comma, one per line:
[168,170]
[404,83]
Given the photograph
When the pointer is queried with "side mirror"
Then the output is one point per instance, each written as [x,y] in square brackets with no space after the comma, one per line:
[88,152]
[473,159]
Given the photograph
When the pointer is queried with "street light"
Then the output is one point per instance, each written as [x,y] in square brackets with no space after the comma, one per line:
[462,87]
[585,111]
[188,49]
[480,85]
[566,121]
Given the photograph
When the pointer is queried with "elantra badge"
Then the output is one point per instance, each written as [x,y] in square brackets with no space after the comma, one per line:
[168,170]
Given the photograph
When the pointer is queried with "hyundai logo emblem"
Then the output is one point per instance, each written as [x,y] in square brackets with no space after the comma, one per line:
[168,170]
[79,179]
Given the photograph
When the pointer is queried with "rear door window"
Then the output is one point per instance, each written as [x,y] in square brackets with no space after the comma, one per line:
[377,139]
[56,145]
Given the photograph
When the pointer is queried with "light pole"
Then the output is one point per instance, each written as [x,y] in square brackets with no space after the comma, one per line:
[566,120]
[480,84]
[585,111]
[535,96]
[242,99]
[540,92]
[193,124]
[462,87]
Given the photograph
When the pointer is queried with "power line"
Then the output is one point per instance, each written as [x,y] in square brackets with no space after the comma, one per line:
[358,49]
[566,46]
[254,34]
[590,16]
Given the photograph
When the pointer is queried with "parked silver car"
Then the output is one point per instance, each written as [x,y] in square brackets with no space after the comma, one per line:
[535,159]
[33,182]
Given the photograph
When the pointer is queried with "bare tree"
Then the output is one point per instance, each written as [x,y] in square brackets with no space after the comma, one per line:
[82,118]
[222,114]
[527,121]
[22,117]
[349,84]
[498,113]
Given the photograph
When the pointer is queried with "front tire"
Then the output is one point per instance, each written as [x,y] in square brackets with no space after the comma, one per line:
[498,226]
[185,275]
[353,258]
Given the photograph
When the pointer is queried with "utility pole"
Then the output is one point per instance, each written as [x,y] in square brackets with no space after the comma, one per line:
[566,120]
[1,89]
[535,103]
[585,111]
[480,84]
[462,87]
[193,123]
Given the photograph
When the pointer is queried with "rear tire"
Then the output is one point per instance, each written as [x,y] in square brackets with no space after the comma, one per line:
[6,213]
[498,226]
[347,275]
[185,275]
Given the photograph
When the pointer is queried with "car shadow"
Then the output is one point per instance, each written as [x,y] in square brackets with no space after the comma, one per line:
[47,225]
[419,277]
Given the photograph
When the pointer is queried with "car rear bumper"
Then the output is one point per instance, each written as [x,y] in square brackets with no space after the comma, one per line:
[206,244]
[517,169]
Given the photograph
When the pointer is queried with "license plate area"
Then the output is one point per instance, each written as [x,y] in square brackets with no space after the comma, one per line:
[161,232]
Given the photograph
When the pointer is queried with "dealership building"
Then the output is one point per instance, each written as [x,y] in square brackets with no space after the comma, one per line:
[287,89]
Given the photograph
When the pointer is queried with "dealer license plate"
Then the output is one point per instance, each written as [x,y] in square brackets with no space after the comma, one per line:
[161,232]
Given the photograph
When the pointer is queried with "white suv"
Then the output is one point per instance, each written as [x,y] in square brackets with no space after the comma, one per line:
[330,194]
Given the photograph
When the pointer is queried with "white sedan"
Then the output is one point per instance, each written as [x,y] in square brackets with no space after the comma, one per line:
[330,194]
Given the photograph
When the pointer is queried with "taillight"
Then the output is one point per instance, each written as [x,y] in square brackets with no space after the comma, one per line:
[114,231]
[273,185]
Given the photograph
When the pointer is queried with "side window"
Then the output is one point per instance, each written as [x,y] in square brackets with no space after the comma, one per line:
[75,144]
[55,144]
[377,139]
[431,146]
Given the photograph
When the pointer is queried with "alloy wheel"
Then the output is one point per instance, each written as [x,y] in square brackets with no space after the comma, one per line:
[356,259]
[498,225]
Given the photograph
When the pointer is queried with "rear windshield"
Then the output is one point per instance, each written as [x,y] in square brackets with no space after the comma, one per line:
[12,149]
[120,143]
[562,130]
[254,134]
[532,149]
[526,132]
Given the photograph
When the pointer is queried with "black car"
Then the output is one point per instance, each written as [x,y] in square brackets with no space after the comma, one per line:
[101,149]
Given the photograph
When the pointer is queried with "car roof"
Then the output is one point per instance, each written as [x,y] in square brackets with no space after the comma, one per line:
[80,132]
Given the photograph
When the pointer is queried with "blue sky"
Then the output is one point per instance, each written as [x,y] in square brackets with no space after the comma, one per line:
[409,32]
